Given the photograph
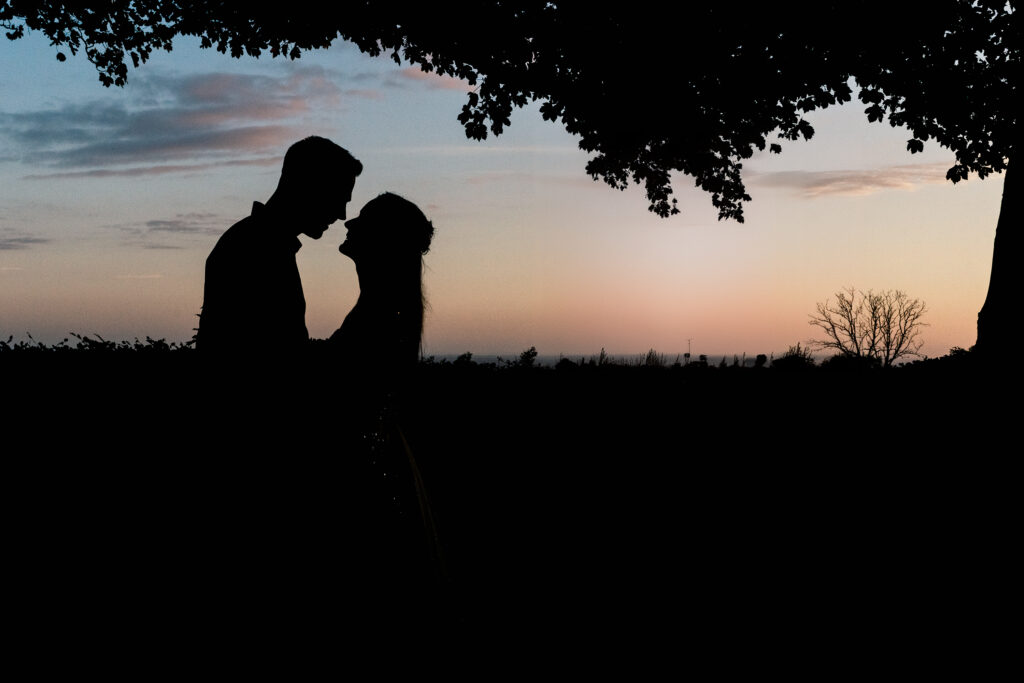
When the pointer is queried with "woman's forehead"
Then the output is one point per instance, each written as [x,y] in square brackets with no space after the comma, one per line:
[372,207]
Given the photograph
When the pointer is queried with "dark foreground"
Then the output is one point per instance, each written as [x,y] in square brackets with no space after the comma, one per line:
[745,519]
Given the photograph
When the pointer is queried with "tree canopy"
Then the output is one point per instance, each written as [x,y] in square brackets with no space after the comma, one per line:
[652,89]
[649,89]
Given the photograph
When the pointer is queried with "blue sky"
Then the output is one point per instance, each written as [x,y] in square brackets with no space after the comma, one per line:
[110,200]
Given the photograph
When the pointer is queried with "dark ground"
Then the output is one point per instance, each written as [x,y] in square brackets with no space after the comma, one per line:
[749,517]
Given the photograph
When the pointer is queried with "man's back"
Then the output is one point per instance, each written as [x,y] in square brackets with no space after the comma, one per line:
[253,297]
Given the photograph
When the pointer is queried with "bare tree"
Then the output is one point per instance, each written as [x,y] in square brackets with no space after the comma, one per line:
[884,326]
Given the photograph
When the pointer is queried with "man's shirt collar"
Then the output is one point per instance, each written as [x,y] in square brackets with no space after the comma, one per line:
[259,212]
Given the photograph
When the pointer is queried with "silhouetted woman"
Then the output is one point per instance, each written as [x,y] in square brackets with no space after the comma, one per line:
[378,346]
[387,241]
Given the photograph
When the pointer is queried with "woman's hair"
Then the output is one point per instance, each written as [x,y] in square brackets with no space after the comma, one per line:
[401,235]
[407,227]
[412,233]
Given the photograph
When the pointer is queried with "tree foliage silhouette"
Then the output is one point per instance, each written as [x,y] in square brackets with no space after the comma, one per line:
[650,89]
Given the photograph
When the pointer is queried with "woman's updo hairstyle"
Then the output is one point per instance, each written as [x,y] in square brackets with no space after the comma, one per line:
[406,224]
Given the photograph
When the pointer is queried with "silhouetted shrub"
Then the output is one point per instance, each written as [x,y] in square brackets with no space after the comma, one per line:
[653,359]
[564,364]
[848,363]
[527,359]
[795,358]
[99,344]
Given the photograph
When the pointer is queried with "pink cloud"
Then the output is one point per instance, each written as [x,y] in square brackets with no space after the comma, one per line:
[253,111]
[493,177]
[365,93]
[811,184]
[206,115]
[434,80]
[155,170]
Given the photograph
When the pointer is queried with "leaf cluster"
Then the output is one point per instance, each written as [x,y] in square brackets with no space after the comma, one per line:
[650,89]
[91,345]
[949,76]
[109,33]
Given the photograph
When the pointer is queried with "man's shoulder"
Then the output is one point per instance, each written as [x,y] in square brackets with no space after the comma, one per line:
[247,234]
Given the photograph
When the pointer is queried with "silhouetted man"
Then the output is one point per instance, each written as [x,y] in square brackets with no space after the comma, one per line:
[252,299]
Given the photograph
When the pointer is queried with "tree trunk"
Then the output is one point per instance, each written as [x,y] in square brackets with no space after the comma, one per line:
[995,336]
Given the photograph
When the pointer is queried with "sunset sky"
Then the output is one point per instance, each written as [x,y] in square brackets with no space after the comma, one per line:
[111,199]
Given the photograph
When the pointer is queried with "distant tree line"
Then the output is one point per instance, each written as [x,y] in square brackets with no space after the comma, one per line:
[796,358]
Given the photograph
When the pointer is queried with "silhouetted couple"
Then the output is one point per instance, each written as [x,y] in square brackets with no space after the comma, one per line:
[318,460]
[253,298]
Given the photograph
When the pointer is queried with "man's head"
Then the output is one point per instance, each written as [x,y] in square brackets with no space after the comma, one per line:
[317,178]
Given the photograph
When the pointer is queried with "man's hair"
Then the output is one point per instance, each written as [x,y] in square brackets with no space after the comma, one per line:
[316,157]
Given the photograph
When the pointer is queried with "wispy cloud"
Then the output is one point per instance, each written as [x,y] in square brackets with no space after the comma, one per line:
[188,123]
[547,179]
[481,148]
[365,93]
[188,224]
[20,242]
[173,233]
[811,184]
[135,171]
[432,80]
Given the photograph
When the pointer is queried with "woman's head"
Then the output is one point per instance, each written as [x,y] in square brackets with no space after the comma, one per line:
[387,241]
[388,225]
